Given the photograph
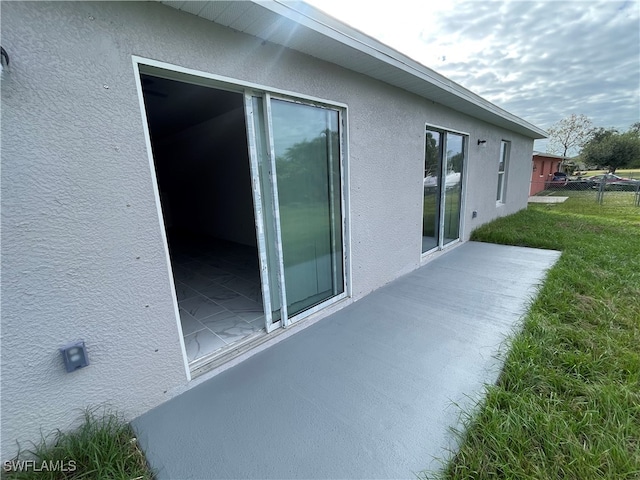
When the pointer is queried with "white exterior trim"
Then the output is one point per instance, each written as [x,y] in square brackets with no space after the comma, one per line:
[156,195]
[219,81]
[445,129]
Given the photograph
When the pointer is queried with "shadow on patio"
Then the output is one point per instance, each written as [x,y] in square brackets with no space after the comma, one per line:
[369,392]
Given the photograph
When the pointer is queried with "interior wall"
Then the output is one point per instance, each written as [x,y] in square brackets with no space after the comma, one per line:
[205,180]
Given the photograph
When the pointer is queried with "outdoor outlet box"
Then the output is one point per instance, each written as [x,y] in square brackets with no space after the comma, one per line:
[75,356]
[474,214]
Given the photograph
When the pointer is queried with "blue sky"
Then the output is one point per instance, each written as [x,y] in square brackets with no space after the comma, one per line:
[541,60]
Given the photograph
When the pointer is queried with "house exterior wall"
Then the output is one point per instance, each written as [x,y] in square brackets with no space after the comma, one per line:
[542,172]
[82,250]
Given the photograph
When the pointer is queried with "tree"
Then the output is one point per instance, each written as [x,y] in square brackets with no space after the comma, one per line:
[431,156]
[302,166]
[612,149]
[635,128]
[570,133]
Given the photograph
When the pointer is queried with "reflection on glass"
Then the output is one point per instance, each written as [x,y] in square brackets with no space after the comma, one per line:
[453,187]
[444,159]
[501,167]
[430,212]
[307,149]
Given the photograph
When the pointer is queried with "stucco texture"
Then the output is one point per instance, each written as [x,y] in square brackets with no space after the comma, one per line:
[82,249]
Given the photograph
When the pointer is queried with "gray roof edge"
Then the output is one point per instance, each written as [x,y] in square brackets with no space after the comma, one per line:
[325,24]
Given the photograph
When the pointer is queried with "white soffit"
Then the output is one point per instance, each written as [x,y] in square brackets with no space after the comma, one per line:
[301,27]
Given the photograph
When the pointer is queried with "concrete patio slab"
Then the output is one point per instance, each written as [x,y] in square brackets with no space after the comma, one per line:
[549,199]
[369,392]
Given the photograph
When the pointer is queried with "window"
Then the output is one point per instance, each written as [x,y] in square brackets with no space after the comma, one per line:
[502,170]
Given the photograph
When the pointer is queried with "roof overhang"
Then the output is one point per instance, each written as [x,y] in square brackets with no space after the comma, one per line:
[301,27]
[549,155]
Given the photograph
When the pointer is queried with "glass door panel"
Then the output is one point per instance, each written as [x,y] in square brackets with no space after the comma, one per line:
[453,187]
[307,151]
[431,203]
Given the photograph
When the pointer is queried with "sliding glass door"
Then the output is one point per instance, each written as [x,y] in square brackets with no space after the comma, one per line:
[307,151]
[431,199]
[265,209]
[296,157]
[452,198]
[442,197]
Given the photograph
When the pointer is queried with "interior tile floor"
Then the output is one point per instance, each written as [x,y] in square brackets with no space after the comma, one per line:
[218,289]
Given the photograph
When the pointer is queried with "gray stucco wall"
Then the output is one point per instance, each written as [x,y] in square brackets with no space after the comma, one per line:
[82,251]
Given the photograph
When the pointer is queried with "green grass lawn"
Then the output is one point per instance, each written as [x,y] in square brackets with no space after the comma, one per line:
[588,199]
[451,213]
[623,172]
[567,404]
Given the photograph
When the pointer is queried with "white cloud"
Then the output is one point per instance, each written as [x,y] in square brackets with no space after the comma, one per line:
[540,60]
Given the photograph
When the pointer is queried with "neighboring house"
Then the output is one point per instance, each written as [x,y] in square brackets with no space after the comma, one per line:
[182,181]
[544,166]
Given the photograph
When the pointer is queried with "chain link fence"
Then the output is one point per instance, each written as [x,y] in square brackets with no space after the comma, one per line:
[603,188]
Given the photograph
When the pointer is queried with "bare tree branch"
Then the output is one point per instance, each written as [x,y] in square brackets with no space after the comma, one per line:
[569,134]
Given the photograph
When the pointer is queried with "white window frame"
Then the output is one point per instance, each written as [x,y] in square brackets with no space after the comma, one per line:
[501,191]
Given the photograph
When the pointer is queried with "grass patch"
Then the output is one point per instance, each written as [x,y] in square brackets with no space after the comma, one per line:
[612,198]
[567,404]
[103,447]
[623,172]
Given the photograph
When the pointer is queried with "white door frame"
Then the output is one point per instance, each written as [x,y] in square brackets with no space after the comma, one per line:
[143,65]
